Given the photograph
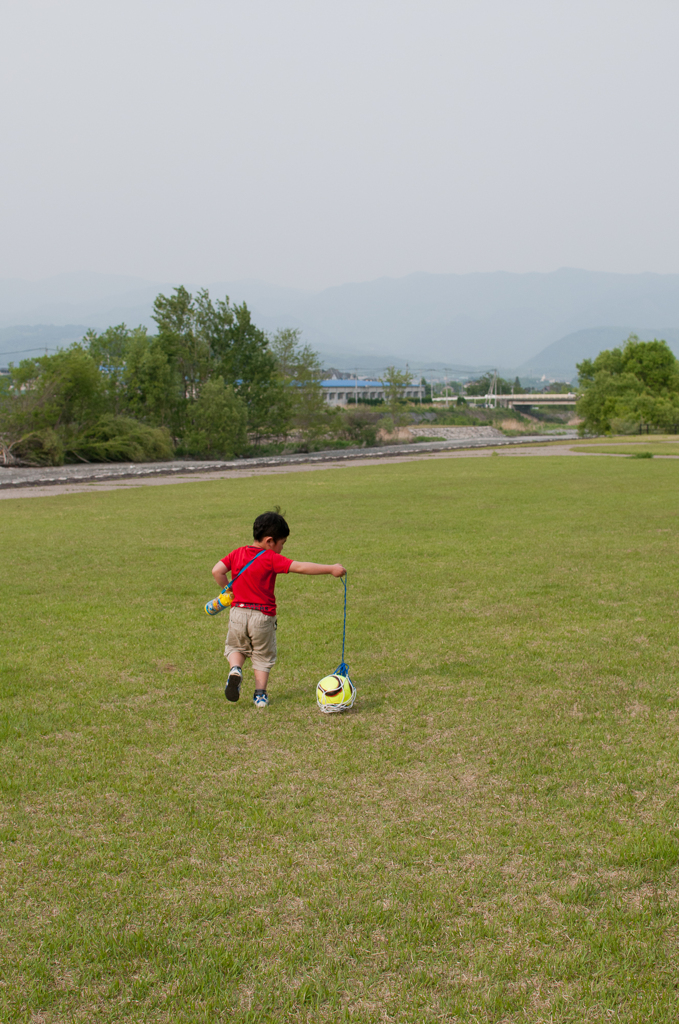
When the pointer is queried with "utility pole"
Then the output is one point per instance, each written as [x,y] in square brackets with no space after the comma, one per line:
[491,396]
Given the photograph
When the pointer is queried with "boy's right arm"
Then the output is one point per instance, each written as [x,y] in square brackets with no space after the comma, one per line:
[316,569]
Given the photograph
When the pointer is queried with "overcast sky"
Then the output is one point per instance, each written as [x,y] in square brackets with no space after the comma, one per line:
[310,142]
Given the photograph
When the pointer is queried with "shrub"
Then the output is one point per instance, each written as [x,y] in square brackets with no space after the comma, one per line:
[359,425]
[37,448]
[120,439]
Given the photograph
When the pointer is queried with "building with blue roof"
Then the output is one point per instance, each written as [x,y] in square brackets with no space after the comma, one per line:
[340,391]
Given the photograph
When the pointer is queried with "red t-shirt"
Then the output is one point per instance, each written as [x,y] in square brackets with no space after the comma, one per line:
[255,587]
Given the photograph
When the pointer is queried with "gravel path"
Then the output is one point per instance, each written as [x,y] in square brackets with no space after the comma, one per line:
[247,470]
[12,477]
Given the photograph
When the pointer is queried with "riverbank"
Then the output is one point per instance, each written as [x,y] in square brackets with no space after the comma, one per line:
[46,476]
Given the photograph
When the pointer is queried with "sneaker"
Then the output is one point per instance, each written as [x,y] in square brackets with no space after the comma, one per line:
[232,691]
[261,700]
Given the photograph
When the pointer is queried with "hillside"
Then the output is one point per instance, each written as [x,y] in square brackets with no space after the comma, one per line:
[542,322]
[559,359]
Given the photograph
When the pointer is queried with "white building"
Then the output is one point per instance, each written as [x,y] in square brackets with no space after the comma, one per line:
[341,392]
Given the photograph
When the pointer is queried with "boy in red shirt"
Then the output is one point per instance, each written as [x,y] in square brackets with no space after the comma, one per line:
[252,618]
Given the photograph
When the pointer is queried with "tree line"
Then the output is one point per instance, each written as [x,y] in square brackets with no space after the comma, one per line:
[208,384]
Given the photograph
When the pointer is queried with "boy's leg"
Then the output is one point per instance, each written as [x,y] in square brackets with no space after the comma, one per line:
[261,679]
[262,629]
[238,647]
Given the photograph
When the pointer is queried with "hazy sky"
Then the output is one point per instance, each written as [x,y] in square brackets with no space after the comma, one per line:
[311,143]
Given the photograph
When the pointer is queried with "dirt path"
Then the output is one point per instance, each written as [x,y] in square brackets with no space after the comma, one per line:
[124,483]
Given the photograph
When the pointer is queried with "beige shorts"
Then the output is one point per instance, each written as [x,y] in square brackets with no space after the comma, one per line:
[253,634]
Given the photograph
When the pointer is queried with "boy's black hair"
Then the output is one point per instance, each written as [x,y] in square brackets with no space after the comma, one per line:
[270,524]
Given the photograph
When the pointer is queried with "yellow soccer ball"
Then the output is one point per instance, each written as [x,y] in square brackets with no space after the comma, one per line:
[335,693]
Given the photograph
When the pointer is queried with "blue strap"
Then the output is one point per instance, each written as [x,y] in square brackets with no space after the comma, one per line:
[343,669]
[241,571]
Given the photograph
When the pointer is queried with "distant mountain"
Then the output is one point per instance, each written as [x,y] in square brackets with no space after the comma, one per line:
[475,320]
[558,359]
[97,300]
[16,342]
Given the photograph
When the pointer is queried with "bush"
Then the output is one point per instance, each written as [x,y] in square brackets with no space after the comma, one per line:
[359,426]
[38,448]
[120,439]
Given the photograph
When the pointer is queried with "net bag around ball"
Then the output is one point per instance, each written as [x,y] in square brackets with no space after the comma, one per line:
[337,692]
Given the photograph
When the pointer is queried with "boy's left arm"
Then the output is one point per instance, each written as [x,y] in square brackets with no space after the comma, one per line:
[221,575]
[316,569]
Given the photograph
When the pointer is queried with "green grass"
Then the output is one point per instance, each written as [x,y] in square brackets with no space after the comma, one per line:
[639,450]
[639,446]
[489,836]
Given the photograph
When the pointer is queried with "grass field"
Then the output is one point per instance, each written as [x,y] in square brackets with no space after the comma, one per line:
[635,448]
[490,835]
[654,443]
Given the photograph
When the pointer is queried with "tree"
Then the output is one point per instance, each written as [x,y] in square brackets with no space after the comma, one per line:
[46,401]
[54,391]
[202,338]
[395,382]
[148,382]
[218,422]
[625,387]
[301,371]
[482,385]
[186,349]
[109,350]
[243,357]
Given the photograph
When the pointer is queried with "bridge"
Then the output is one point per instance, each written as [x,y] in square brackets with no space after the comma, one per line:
[523,401]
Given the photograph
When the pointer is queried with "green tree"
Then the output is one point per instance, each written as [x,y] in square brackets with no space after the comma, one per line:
[54,391]
[150,391]
[217,422]
[395,382]
[109,350]
[203,338]
[301,372]
[624,387]
[109,347]
[47,400]
[482,385]
[186,349]
[242,356]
